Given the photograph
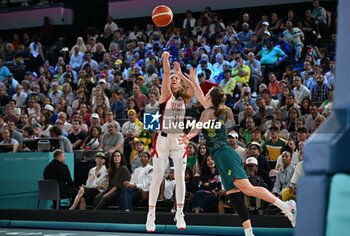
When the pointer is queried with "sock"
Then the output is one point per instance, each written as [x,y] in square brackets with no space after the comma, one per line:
[281,205]
[248,232]
[179,209]
[152,210]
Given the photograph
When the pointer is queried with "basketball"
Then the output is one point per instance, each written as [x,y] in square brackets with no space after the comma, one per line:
[162,16]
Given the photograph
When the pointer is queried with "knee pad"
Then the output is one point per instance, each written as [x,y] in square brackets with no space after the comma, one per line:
[237,203]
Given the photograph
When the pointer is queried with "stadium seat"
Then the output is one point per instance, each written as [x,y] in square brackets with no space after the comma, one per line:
[49,190]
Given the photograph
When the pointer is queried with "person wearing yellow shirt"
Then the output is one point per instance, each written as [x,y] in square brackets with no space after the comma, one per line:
[228,83]
[241,72]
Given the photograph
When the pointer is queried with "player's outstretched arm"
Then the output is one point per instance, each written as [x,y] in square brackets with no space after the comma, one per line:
[197,89]
[165,89]
[195,131]
[188,83]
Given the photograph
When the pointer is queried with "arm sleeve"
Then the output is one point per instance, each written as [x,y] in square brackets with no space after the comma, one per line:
[146,181]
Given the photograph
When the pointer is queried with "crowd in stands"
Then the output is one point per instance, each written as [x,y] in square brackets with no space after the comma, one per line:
[277,72]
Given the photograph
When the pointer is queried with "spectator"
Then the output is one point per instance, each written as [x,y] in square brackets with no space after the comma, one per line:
[252,168]
[290,103]
[36,54]
[76,59]
[264,111]
[62,116]
[327,106]
[139,148]
[132,127]
[271,57]
[290,146]
[247,113]
[266,95]
[300,91]
[320,92]
[80,44]
[59,171]
[284,175]
[167,186]
[202,153]
[55,94]
[96,183]
[209,187]
[218,66]
[241,72]
[11,84]
[28,133]
[192,158]
[294,37]
[111,24]
[93,139]
[153,105]
[14,133]
[118,173]
[310,120]
[136,190]
[19,96]
[232,139]
[141,99]
[247,132]
[272,147]
[110,119]
[290,191]
[206,85]
[255,71]
[118,104]
[320,14]
[4,70]
[10,114]
[7,139]
[76,137]
[65,144]
[274,86]
[112,140]
[244,35]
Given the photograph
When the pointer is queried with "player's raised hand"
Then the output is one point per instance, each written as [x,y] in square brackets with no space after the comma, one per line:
[165,55]
[193,75]
[177,68]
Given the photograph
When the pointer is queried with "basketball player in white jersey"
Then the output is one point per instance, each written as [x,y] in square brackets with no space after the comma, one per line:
[174,96]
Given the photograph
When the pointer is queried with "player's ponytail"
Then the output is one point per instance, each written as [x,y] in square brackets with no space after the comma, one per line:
[218,99]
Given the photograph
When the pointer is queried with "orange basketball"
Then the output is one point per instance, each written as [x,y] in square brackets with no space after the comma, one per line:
[162,16]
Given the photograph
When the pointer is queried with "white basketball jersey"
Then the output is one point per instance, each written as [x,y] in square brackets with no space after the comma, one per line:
[173,113]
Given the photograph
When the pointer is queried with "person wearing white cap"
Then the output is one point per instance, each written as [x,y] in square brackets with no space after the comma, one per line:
[232,139]
[95,120]
[255,179]
[48,107]
[251,161]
